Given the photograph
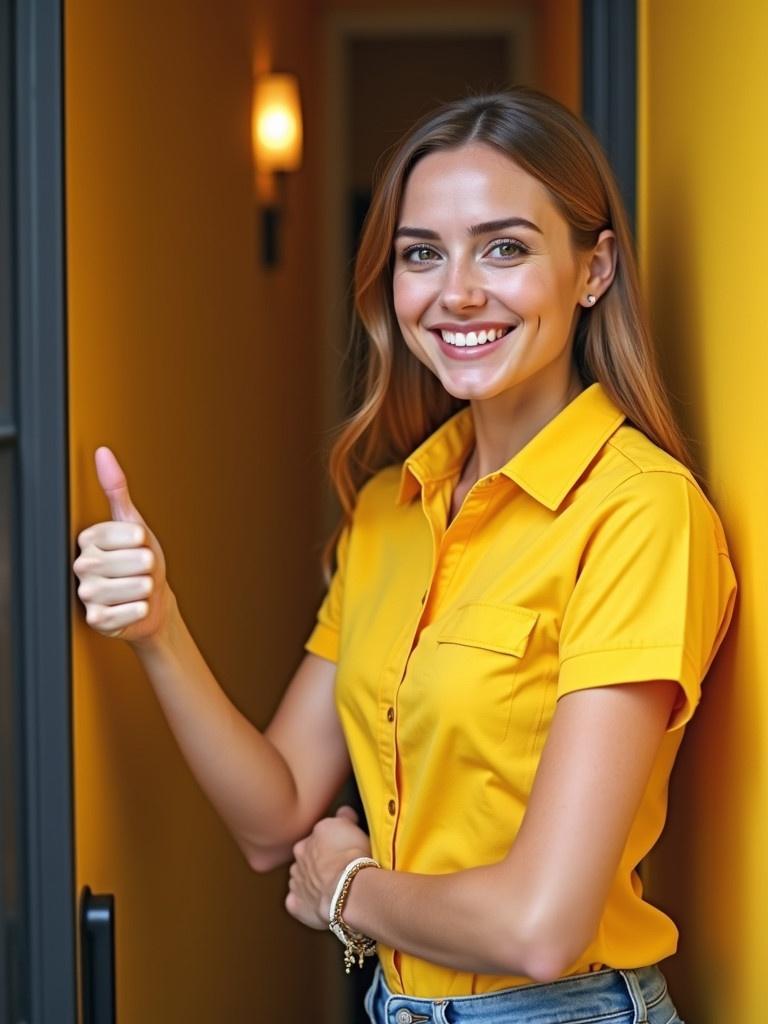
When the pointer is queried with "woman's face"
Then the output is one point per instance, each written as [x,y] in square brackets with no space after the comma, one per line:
[481,247]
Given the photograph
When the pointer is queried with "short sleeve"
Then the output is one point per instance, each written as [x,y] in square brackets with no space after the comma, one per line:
[655,593]
[324,638]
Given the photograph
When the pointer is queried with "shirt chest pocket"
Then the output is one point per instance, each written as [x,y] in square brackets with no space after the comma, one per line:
[481,671]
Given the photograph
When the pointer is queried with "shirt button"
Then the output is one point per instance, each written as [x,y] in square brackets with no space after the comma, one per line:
[391,806]
[390,714]
[404,1017]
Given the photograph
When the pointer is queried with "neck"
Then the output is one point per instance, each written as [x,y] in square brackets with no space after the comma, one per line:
[506,423]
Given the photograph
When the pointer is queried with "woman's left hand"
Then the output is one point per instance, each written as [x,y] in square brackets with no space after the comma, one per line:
[319,860]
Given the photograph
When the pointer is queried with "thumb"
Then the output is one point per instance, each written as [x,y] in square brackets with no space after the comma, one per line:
[115,486]
[345,811]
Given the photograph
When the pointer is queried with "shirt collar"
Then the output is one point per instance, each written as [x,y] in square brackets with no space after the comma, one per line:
[547,467]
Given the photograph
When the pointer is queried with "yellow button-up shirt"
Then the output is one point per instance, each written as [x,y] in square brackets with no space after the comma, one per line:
[591,558]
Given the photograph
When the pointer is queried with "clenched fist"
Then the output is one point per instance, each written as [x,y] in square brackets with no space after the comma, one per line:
[121,566]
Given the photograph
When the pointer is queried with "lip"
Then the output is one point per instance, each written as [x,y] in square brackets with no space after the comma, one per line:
[478,325]
[475,352]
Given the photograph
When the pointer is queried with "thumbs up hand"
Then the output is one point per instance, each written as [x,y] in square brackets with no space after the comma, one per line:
[121,566]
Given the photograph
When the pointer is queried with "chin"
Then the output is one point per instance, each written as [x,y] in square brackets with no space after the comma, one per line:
[472,390]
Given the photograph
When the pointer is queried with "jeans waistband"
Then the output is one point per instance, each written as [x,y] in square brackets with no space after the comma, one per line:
[608,992]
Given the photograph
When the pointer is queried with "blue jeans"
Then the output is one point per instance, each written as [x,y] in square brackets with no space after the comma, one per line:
[611,996]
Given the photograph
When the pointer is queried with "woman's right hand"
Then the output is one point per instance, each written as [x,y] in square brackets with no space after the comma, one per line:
[121,566]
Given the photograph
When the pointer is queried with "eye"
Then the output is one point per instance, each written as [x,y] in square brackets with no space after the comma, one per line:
[513,247]
[422,253]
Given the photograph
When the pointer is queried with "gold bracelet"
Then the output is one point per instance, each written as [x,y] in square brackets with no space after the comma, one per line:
[356,945]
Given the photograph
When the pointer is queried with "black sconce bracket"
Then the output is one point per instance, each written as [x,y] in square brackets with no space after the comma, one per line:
[272,214]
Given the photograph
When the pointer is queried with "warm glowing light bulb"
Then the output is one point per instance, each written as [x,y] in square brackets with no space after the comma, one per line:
[277,128]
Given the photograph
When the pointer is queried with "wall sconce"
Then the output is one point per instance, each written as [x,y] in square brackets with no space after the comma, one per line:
[277,144]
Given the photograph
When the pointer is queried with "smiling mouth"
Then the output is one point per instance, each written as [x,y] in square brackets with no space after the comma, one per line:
[473,339]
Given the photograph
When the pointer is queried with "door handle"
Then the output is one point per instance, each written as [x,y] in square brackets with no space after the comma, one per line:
[97,957]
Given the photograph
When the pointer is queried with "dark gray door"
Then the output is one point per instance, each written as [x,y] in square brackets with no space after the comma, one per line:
[37,907]
[609,86]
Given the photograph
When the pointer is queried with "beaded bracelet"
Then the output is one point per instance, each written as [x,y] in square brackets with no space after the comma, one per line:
[356,945]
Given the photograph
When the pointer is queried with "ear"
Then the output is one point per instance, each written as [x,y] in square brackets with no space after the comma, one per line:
[601,267]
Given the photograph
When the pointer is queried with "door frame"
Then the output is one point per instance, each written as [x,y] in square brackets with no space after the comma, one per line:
[609,87]
[45,970]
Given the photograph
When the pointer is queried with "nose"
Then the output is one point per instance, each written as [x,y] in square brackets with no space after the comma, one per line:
[462,286]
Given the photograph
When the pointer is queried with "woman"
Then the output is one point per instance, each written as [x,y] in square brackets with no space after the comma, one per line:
[530,586]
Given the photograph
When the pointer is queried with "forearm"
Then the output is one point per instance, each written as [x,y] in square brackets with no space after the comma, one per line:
[471,920]
[241,772]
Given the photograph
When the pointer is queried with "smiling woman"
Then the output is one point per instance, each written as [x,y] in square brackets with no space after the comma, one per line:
[530,585]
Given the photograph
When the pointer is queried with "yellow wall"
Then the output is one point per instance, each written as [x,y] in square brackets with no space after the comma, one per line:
[702,227]
[197,368]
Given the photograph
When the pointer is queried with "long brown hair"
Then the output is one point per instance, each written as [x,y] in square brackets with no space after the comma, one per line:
[403,401]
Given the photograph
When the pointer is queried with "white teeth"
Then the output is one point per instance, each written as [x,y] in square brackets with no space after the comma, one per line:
[474,338]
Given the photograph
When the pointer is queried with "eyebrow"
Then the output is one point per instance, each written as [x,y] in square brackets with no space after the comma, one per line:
[474,229]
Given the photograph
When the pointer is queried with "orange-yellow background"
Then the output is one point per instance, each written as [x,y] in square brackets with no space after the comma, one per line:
[197,369]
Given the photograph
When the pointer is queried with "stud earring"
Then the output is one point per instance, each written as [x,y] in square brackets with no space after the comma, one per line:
[591,299]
